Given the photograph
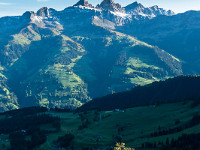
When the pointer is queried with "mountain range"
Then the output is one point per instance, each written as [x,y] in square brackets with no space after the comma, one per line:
[66,58]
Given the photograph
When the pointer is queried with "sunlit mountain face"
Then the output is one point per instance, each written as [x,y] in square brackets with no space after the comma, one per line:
[66,58]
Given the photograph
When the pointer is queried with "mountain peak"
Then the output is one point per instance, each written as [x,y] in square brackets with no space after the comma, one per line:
[28,14]
[108,2]
[133,6]
[171,13]
[43,12]
[138,10]
[135,3]
[155,7]
[83,3]
[110,5]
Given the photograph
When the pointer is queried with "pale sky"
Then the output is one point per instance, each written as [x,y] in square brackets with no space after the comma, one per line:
[18,7]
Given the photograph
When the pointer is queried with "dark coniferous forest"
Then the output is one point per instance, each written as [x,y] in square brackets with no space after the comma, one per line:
[170,90]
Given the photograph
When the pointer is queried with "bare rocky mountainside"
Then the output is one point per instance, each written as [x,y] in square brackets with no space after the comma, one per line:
[66,58]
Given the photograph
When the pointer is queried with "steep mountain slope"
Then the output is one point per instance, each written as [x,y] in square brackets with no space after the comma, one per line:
[113,56]
[178,88]
[56,59]
[44,73]
[8,99]
[118,62]
[39,62]
[176,34]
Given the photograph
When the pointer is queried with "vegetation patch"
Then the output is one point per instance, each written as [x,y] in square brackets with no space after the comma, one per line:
[102,129]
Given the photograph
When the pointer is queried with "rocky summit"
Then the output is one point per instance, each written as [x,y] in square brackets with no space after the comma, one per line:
[43,12]
[84,3]
[138,10]
[111,6]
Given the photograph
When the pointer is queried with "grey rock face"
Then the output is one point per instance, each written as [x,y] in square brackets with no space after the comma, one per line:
[134,6]
[43,12]
[111,6]
[84,3]
[138,11]
[29,15]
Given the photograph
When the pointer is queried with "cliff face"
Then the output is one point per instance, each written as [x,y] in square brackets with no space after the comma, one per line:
[111,6]
[83,3]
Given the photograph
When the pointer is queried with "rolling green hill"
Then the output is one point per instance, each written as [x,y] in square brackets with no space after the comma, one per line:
[173,89]
[136,125]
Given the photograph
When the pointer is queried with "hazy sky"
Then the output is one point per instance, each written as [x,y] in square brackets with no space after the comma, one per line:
[18,7]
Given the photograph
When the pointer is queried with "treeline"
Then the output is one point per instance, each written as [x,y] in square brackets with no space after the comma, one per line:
[60,110]
[184,142]
[25,111]
[18,140]
[25,119]
[24,127]
[9,125]
[170,90]
[64,141]
[191,123]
